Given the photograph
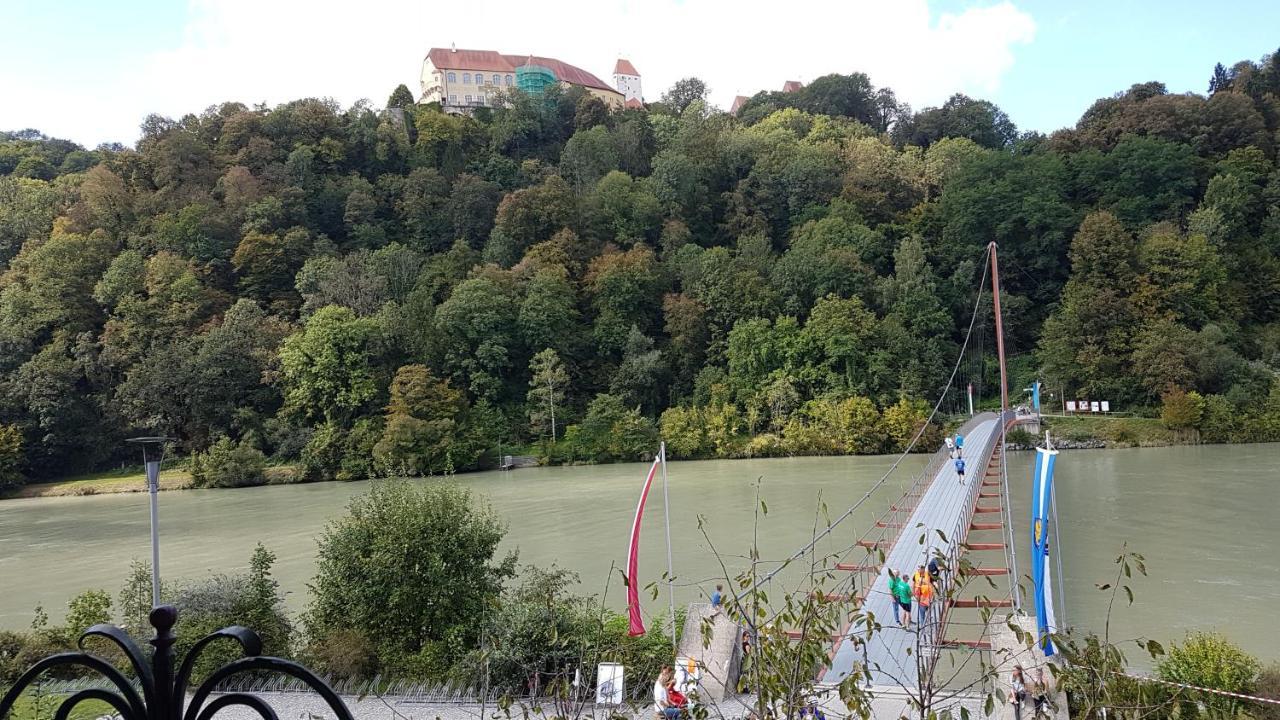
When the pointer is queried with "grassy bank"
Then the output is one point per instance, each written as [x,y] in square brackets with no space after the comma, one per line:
[127,481]
[1115,432]
[1119,432]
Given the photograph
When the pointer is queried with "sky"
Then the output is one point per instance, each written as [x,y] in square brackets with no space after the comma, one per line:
[90,71]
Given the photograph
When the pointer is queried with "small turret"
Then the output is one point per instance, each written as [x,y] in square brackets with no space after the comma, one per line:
[627,80]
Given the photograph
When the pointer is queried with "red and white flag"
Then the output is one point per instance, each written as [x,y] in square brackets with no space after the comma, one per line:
[633,586]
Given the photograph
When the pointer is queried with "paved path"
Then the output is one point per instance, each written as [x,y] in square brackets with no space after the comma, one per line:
[944,505]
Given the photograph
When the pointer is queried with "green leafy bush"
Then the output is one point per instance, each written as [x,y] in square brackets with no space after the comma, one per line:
[1210,660]
[228,464]
[408,565]
[250,599]
[1268,687]
[1018,436]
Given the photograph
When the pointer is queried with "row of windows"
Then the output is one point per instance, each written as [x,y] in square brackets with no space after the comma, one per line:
[466,79]
[467,99]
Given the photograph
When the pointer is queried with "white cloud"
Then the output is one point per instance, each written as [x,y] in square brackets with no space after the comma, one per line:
[276,50]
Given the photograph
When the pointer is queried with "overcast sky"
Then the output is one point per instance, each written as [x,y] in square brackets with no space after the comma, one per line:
[90,70]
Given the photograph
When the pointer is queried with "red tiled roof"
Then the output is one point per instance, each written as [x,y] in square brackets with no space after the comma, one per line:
[564,71]
[446,59]
[624,67]
[490,61]
[738,102]
[791,86]
[635,104]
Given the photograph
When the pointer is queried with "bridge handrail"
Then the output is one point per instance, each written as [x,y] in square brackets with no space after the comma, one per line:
[890,521]
[940,611]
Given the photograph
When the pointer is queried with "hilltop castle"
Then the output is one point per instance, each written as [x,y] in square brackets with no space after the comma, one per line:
[461,80]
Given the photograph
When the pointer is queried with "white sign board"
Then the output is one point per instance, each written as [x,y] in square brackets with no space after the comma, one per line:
[1071,406]
[1095,406]
[609,684]
[1106,406]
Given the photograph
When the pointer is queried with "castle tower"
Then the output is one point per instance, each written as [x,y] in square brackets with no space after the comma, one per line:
[627,80]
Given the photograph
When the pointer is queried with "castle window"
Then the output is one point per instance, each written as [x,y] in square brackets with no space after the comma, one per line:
[496,80]
[453,77]
[453,99]
[508,79]
[468,99]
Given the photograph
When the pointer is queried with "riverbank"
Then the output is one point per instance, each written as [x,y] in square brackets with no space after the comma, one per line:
[1069,433]
[126,481]
[1111,432]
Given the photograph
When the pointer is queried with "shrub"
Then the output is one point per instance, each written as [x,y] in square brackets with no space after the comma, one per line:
[11,644]
[228,464]
[611,431]
[685,430]
[1021,437]
[250,599]
[766,445]
[335,453]
[343,653]
[903,420]
[1268,687]
[10,456]
[409,564]
[85,610]
[1221,421]
[1210,660]
[1181,410]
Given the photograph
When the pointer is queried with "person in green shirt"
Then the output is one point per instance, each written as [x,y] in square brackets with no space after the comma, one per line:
[900,589]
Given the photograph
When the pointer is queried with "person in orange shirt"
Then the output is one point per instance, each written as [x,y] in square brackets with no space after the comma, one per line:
[922,587]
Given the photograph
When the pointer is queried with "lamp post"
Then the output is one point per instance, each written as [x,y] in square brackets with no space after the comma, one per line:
[152,456]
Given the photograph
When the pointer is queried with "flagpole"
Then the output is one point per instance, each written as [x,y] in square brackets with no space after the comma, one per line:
[666,511]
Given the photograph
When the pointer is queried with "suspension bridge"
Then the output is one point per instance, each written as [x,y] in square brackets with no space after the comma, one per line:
[938,516]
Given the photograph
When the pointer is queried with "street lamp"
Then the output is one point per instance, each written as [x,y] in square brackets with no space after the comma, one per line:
[152,456]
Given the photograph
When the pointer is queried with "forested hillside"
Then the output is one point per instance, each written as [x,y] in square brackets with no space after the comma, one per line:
[382,292]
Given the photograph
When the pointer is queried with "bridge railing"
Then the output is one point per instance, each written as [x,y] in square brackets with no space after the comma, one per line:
[940,610]
[888,527]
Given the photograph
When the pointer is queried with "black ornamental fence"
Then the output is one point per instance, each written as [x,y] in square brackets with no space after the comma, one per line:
[159,691]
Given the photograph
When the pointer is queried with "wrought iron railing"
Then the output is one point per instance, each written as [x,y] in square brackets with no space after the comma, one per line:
[157,691]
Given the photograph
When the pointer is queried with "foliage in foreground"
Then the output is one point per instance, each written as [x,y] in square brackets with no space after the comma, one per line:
[408,573]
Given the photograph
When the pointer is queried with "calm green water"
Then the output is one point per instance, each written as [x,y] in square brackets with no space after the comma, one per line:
[1205,517]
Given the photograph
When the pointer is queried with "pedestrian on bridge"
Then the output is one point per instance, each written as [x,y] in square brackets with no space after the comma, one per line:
[951,447]
[900,592]
[960,469]
[959,445]
[923,588]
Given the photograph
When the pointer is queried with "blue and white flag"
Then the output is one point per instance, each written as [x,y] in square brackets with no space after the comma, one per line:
[1041,495]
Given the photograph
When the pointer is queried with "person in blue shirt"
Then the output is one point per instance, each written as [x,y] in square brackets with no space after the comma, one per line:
[717,597]
[960,469]
[959,444]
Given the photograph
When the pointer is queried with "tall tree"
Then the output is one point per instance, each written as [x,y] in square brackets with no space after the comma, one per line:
[548,380]
[684,93]
[400,97]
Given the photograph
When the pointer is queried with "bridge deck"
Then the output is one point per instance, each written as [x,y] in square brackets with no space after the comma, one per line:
[944,506]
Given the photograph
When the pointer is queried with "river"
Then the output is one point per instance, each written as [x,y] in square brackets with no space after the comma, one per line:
[1204,517]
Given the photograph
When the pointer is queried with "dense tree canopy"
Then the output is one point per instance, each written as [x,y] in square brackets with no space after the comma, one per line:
[363,291]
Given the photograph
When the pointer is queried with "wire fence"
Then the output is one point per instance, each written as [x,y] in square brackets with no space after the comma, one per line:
[406,691]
